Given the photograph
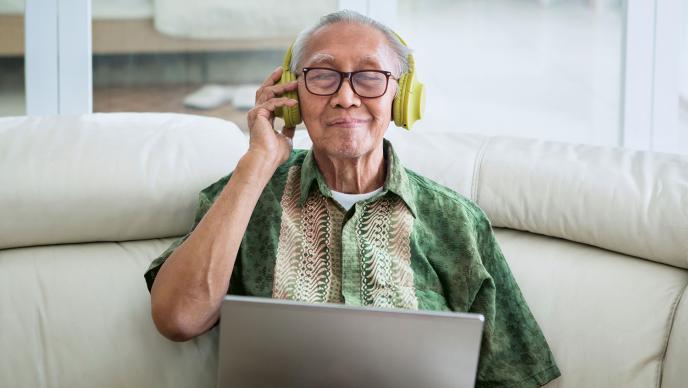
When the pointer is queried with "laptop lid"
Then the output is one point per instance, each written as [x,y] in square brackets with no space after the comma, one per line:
[278,343]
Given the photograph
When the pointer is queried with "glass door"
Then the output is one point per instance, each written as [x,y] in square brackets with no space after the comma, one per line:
[12,91]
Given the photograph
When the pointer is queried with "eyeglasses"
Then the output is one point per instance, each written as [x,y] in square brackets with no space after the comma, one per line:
[322,81]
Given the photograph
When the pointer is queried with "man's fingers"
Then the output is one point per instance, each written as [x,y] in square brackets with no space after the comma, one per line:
[275,76]
[267,108]
[267,92]
[280,101]
[281,88]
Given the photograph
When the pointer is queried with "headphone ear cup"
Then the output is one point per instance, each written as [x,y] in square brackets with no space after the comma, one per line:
[398,103]
[291,115]
[409,104]
[415,101]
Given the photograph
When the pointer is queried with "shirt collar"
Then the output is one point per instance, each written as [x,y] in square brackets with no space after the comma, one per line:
[397,180]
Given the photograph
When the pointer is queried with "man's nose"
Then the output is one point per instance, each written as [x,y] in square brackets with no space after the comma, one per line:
[345,96]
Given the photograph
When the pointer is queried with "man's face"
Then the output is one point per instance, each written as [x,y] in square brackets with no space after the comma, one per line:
[345,125]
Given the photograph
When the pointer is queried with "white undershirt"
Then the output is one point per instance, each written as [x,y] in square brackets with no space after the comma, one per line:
[348,200]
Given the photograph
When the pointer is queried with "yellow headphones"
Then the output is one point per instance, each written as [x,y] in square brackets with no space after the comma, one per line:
[407,107]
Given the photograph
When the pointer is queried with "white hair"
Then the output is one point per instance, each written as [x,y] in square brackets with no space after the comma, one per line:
[400,50]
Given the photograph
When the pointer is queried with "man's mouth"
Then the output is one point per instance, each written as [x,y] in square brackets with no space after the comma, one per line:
[347,122]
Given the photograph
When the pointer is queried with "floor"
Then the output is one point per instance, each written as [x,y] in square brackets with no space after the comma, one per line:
[161,98]
[507,67]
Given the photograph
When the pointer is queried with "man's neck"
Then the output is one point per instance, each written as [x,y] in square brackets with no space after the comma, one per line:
[353,175]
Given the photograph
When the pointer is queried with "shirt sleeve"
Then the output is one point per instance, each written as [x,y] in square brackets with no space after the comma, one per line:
[514,352]
[206,198]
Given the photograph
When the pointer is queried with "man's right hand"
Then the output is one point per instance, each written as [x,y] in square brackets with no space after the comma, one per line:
[187,294]
[265,140]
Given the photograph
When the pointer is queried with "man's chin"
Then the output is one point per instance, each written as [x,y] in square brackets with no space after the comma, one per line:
[349,149]
[348,153]
[347,144]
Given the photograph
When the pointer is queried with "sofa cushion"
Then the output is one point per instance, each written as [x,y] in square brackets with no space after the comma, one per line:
[108,177]
[675,371]
[78,316]
[606,318]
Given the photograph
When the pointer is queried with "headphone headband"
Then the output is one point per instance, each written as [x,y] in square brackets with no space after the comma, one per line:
[409,57]
[286,64]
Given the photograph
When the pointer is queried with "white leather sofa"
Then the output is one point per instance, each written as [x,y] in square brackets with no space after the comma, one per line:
[596,237]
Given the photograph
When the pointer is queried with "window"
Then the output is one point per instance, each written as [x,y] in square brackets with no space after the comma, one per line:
[683,80]
[527,68]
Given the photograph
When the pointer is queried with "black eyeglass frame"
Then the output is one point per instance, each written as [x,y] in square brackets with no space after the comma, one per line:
[348,75]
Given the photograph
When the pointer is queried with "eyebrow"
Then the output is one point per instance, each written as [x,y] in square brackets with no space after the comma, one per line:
[320,59]
[371,60]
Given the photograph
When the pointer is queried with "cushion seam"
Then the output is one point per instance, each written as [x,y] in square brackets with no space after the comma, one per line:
[477,168]
[667,336]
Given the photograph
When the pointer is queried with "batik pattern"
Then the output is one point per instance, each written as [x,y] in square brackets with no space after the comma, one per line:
[308,266]
[309,259]
[383,233]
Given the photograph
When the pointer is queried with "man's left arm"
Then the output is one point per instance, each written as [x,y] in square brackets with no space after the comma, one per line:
[514,352]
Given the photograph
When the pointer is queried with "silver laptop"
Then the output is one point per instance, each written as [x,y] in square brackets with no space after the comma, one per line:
[276,343]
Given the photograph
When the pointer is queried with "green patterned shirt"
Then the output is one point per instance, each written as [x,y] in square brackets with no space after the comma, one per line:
[415,245]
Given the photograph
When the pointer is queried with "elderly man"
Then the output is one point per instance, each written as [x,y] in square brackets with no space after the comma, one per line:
[344,222]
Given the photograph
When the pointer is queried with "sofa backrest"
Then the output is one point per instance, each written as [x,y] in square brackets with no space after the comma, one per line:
[632,202]
[108,177]
[118,177]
